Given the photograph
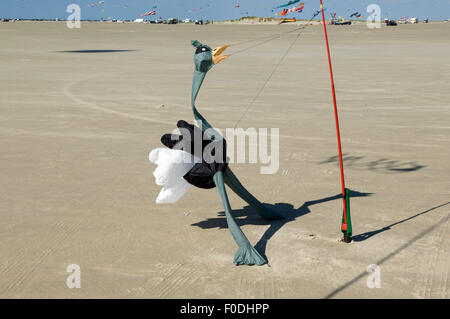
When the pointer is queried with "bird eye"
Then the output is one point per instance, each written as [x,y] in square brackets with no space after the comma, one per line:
[202,49]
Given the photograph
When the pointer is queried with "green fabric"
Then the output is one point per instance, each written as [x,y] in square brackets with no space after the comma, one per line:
[246,254]
[201,121]
[347,233]
[349,219]
[232,181]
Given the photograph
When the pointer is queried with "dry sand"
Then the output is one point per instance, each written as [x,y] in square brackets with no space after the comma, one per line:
[77,186]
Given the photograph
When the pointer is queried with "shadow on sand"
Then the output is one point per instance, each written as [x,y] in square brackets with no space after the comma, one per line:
[382,165]
[396,251]
[248,216]
[367,235]
[94,51]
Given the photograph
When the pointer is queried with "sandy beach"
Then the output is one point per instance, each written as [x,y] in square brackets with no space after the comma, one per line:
[81,109]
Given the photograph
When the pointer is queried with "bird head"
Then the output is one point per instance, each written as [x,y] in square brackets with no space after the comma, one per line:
[205,57]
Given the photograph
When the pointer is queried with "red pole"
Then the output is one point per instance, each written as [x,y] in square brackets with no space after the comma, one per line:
[344,225]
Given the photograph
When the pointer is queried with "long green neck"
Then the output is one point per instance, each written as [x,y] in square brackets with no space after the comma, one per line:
[201,121]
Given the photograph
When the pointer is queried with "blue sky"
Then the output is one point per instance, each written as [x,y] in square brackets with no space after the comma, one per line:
[217,9]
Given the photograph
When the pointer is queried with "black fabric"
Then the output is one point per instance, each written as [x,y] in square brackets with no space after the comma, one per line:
[186,140]
[201,175]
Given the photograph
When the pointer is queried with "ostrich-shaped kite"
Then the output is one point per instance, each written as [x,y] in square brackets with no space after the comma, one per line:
[185,162]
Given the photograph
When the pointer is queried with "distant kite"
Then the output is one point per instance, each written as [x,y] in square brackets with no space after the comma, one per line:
[356,15]
[287,20]
[93,4]
[192,10]
[150,13]
[295,9]
[288,4]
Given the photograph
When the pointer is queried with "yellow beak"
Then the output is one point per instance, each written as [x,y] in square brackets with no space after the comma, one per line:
[217,56]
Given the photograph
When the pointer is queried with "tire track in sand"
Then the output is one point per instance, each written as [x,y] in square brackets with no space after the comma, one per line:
[434,283]
[25,267]
[67,90]
[176,277]
[68,93]
[439,276]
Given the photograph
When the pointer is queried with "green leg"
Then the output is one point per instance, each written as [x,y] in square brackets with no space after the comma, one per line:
[232,182]
[246,254]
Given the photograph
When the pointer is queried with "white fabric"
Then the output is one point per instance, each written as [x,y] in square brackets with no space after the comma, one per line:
[172,165]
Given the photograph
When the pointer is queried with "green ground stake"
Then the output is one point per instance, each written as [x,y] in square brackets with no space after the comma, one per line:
[347,230]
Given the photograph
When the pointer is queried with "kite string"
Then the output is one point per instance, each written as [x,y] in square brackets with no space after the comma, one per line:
[268,38]
[272,37]
[268,79]
[276,66]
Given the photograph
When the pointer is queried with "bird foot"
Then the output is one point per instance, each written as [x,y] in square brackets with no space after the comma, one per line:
[248,255]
